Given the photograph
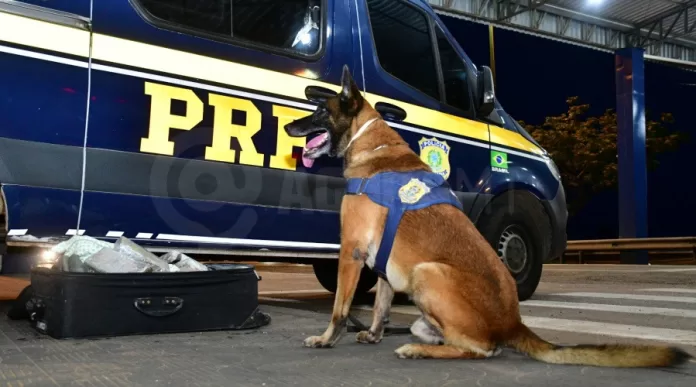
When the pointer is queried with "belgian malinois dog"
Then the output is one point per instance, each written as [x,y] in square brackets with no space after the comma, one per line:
[467,297]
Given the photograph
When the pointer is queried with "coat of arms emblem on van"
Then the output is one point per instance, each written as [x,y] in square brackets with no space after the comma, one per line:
[435,153]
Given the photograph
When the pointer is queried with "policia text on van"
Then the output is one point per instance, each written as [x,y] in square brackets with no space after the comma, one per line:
[161,120]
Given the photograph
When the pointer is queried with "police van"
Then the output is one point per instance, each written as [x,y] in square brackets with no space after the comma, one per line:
[161,121]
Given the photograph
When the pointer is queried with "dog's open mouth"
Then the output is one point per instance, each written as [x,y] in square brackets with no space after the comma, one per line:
[315,148]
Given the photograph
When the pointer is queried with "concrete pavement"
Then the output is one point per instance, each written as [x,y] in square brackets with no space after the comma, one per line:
[588,304]
[574,304]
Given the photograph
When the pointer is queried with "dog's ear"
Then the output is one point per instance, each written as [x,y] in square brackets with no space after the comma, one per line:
[351,99]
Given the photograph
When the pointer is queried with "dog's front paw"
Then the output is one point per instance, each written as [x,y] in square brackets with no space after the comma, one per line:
[367,337]
[317,342]
[408,351]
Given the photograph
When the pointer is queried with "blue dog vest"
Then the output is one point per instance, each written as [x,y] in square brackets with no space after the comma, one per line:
[400,192]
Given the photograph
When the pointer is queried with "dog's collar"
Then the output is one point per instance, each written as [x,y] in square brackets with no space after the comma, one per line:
[360,131]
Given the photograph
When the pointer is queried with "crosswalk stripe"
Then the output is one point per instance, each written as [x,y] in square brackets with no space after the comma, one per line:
[285,300]
[675,270]
[669,290]
[678,336]
[304,291]
[612,308]
[613,269]
[639,297]
[399,309]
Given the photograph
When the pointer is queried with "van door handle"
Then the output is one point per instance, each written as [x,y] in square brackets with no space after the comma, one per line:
[318,94]
[390,111]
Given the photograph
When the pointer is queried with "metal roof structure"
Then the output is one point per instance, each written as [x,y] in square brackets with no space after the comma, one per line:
[666,29]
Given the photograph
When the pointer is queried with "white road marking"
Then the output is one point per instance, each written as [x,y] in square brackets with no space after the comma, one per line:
[286,300]
[679,336]
[308,291]
[670,290]
[640,297]
[17,232]
[614,269]
[612,308]
[674,270]
[144,235]
[116,234]
[400,309]
[682,337]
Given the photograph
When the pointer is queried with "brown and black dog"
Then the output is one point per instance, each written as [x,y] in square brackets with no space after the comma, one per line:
[467,297]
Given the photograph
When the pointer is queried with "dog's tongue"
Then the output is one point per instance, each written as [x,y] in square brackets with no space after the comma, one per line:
[313,143]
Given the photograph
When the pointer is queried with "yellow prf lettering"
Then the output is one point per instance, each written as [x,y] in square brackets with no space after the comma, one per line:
[283,156]
[161,119]
[224,129]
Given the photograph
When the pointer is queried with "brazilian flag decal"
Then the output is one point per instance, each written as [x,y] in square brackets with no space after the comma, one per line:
[499,161]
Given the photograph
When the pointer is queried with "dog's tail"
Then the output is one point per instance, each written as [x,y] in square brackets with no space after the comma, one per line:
[604,355]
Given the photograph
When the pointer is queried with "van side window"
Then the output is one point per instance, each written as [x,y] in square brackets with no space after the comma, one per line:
[454,74]
[292,25]
[404,44]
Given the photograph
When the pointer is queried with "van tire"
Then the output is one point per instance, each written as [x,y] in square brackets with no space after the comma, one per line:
[518,228]
[326,272]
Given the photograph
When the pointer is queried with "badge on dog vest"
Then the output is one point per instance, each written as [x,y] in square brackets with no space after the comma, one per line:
[435,153]
[413,191]
[399,192]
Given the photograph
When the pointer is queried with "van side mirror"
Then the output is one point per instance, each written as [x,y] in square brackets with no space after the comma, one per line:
[486,91]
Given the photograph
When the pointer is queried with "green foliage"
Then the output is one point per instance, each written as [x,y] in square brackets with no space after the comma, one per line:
[585,148]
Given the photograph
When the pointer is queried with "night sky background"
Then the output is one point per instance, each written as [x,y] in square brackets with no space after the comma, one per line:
[536,75]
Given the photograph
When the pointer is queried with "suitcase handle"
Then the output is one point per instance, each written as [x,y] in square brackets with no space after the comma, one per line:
[158,306]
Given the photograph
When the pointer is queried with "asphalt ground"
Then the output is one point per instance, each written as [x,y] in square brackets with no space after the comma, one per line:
[573,304]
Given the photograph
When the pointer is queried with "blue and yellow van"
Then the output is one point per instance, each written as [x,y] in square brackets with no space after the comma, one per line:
[161,121]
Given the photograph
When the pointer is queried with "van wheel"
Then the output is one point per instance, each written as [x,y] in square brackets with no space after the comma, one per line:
[518,229]
[327,275]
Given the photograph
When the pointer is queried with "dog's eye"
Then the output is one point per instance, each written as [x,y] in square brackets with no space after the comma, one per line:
[321,114]
[318,117]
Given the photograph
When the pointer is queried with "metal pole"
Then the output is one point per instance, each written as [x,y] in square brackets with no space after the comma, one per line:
[491,50]
[633,186]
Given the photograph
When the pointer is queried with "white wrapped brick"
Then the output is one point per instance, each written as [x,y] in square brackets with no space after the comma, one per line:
[183,261]
[126,247]
[107,260]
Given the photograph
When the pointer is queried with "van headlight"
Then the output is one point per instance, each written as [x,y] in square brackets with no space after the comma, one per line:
[553,168]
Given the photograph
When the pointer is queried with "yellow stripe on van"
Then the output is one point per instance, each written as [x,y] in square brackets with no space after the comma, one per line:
[512,139]
[59,38]
[175,62]
[157,58]
[434,119]
[44,35]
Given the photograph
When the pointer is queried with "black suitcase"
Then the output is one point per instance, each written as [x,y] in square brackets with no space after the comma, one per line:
[72,305]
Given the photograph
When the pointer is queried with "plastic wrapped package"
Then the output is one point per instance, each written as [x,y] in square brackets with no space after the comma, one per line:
[126,247]
[107,260]
[183,261]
